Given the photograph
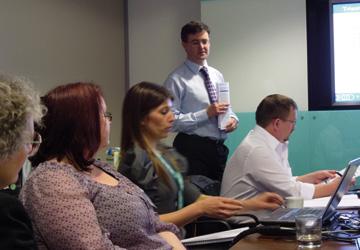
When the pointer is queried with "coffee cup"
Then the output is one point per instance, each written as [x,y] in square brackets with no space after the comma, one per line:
[294,202]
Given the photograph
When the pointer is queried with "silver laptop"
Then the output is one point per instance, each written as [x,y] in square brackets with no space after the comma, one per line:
[286,216]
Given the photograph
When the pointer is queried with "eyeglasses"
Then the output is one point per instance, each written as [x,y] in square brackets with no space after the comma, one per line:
[197,42]
[35,144]
[293,123]
[108,115]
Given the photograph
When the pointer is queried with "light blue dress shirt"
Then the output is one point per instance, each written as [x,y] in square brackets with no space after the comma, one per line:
[191,100]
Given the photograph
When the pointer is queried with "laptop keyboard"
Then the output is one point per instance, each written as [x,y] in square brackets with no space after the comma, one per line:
[291,215]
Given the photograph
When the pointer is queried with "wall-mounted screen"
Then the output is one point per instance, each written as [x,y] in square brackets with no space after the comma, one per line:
[333,43]
[345,52]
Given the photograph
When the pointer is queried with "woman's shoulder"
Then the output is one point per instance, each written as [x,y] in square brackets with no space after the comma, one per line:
[13,208]
[51,174]
[135,156]
[172,153]
[10,201]
[108,168]
[52,167]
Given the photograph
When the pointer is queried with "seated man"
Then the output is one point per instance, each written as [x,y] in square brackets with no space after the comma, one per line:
[260,163]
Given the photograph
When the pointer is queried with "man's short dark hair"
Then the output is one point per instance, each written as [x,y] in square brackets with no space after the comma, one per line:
[193,27]
[272,107]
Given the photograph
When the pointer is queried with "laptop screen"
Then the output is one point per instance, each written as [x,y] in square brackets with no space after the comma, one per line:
[341,189]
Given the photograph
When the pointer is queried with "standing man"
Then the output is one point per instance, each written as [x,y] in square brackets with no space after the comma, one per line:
[195,106]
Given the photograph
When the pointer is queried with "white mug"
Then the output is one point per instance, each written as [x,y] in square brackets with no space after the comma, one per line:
[294,202]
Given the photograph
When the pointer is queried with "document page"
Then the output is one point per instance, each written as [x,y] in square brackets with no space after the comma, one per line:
[347,202]
[223,236]
[223,93]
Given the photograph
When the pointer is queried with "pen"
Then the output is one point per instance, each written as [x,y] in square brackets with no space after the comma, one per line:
[281,205]
[339,174]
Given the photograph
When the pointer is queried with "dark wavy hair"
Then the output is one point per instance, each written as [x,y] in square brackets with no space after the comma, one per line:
[72,125]
[273,106]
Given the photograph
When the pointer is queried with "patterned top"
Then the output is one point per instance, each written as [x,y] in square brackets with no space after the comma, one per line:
[69,210]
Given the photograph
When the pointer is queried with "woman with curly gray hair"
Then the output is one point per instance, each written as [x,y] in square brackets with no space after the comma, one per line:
[20,108]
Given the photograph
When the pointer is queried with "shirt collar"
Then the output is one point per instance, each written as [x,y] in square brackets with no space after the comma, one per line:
[193,66]
[273,143]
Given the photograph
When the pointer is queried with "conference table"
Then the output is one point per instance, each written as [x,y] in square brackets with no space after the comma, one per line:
[263,242]
[257,241]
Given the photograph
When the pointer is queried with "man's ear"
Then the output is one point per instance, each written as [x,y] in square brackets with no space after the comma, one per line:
[276,123]
[183,45]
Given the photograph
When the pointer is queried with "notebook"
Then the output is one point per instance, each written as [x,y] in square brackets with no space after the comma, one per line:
[224,236]
[285,216]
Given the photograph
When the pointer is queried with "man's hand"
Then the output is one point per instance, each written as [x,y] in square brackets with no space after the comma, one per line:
[317,177]
[216,109]
[231,126]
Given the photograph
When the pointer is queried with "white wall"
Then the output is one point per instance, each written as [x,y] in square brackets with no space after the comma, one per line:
[154,37]
[260,47]
[154,43]
[60,41]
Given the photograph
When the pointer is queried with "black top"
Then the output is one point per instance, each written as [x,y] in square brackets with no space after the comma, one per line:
[15,226]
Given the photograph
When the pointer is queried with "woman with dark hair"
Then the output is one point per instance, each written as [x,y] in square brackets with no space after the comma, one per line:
[76,201]
[147,118]
[20,108]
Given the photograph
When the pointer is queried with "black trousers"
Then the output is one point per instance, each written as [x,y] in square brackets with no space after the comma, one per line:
[205,156]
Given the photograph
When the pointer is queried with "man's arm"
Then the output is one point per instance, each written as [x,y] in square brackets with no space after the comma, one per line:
[183,121]
[268,175]
[317,177]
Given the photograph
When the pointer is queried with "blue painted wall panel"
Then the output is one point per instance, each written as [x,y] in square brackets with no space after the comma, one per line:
[322,139]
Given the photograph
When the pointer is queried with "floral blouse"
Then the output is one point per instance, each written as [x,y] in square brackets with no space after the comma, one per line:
[69,210]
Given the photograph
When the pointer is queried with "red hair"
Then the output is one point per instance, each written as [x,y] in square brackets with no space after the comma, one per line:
[72,125]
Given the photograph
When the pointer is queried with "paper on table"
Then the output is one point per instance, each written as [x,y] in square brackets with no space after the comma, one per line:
[348,201]
[223,93]
[223,236]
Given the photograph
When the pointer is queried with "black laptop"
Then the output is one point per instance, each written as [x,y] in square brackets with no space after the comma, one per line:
[286,216]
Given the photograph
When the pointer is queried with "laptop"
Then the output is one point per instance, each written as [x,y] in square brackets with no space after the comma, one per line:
[286,216]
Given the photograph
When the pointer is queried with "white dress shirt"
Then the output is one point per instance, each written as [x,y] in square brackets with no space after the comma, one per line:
[260,164]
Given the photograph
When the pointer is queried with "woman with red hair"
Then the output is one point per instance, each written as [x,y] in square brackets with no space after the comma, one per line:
[77,202]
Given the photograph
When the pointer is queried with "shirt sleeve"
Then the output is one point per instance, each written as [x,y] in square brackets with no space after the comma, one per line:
[62,212]
[140,173]
[233,115]
[191,193]
[269,176]
[184,122]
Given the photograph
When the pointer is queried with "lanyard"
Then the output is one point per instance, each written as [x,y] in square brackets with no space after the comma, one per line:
[178,178]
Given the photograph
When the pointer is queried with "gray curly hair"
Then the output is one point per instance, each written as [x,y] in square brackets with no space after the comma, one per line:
[18,102]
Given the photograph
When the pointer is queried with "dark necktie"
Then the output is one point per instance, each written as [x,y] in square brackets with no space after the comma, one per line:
[209,85]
